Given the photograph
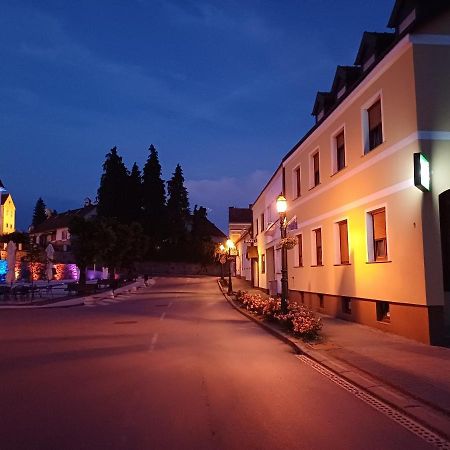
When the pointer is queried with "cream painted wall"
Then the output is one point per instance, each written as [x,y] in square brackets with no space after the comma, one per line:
[381,178]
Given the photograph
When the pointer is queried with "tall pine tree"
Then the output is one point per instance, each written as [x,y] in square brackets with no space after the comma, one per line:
[177,205]
[112,193]
[134,194]
[39,215]
[153,200]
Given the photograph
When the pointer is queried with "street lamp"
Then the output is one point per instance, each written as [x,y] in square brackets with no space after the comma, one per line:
[281,209]
[222,255]
[230,245]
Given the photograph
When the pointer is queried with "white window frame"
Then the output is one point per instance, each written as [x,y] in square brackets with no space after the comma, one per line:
[333,148]
[365,122]
[370,250]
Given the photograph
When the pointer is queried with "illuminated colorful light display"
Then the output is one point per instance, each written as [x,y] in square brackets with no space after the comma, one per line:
[3,270]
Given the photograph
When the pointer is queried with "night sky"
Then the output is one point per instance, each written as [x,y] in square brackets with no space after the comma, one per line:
[225,88]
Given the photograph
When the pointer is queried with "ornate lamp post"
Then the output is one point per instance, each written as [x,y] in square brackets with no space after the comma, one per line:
[230,245]
[221,260]
[281,209]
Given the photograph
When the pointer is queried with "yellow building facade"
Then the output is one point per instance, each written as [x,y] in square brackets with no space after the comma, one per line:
[7,214]
[372,246]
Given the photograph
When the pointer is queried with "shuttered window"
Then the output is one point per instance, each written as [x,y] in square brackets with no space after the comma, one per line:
[379,235]
[343,242]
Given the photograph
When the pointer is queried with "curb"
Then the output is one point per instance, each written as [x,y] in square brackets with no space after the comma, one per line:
[423,413]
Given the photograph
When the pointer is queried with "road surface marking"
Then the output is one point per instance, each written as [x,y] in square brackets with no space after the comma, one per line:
[153,343]
[402,419]
[162,316]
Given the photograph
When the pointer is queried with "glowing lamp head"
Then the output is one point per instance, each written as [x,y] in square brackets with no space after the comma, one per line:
[221,247]
[281,204]
[230,244]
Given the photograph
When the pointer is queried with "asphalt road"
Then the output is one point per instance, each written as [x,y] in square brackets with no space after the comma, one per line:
[171,367]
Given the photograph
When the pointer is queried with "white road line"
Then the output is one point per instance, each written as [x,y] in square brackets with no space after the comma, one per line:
[162,316]
[153,343]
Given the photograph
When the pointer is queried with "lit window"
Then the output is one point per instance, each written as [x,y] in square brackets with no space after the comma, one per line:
[343,242]
[376,234]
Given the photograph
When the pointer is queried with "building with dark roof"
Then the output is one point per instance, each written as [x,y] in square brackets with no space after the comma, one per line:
[55,230]
[373,231]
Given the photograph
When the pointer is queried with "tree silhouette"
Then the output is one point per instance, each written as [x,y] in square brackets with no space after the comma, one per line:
[39,215]
[134,195]
[153,201]
[177,206]
[112,193]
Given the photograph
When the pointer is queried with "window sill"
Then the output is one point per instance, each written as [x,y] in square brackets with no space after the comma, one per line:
[342,264]
[385,321]
[313,187]
[316,265]
[338,171]
[378,262]
[298,267]
[367,151]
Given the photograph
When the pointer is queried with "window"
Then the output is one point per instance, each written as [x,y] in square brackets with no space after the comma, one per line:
[299,248]
[317,235]
[340,151]
[375,127]
[263,263]
[383,313]
[379,235]
[346,304]
[256,227]
[321,302]
[297,183]
[262,222]
[343,242]
[316,169]
[64,235]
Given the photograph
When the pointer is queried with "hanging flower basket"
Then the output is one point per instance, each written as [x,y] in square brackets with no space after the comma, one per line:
[289,242]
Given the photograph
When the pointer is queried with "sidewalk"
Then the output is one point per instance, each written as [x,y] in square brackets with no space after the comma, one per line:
[409,375]
[67,301]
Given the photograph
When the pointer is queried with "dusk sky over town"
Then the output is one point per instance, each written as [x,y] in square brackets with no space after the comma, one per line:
[223,88]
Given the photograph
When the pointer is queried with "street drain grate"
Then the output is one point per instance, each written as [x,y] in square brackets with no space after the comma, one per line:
[402,419]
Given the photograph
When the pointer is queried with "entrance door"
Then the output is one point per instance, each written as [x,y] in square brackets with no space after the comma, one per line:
[444,214]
